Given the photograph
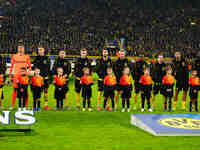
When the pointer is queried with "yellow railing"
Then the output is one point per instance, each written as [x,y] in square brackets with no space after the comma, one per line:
[95,57]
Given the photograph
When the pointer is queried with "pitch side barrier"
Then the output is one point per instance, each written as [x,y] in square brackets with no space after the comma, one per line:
[93,57]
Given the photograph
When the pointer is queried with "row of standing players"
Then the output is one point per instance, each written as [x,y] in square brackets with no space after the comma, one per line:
[142,73]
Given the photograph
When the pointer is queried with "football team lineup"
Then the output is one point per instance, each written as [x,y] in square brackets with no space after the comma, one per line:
[115,80]
[99,74]
[121,85]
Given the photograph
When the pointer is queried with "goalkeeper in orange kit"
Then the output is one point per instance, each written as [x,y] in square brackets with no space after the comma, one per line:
[18,61]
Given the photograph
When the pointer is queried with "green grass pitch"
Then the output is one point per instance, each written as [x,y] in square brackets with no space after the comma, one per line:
[73,130]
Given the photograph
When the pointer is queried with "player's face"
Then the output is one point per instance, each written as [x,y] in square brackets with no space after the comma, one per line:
[146,72]
[126,71]
[86,71]
[122,55]
[62,54]
[160,58]
[21,49]
[109,71]
[169,72]
[83,54]
[177,55]
[194,73]
[105,53]
[37,71]
[41,51]
[60,72]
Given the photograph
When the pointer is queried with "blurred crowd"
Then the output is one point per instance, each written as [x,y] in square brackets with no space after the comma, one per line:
[91,24]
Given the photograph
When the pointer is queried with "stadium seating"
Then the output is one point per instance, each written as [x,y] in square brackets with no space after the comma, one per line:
[71,25]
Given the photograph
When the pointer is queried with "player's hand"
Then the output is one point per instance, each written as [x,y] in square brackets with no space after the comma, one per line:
[21,90]
[195,91]
[121,92]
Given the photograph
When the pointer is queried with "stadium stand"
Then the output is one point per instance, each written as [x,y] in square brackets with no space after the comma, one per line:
[74,24]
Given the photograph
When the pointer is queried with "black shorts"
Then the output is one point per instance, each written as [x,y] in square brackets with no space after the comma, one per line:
[22,94]
[87,92]
[77,86]
[137,87]
[157,88]
[118,87]
[46,83]
[146,92]
[37,91]
[193,93]
[126,91]
[60,92]
[169,93]
[182,85]
[145,95]
[109,91]
[100,85]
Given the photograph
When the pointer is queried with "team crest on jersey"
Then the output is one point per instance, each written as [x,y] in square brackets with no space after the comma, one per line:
[181,123]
